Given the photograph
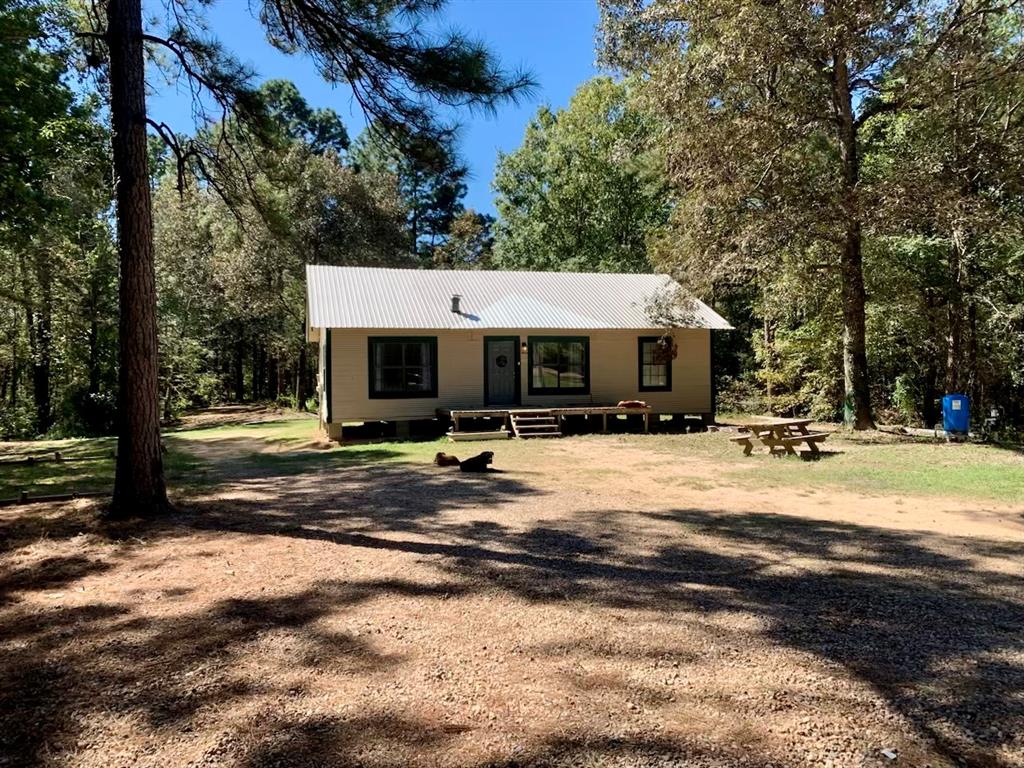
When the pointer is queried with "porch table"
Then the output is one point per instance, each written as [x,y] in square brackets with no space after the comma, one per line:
[781,436]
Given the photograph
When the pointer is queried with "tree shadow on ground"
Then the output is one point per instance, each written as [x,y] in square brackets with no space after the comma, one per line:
[922,618]
[385,741]
[939,637]
[61,667]
[915,615]
[332,502]
[378,738]
[224,459]
[26,524]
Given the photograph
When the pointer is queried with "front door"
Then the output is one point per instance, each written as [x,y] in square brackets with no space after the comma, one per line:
[501,370]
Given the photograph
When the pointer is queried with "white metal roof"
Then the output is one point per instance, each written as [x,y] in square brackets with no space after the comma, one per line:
[371,297]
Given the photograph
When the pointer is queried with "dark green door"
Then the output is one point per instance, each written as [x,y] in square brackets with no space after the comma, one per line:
[501,369]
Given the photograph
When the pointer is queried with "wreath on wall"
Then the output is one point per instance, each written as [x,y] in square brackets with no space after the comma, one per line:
[666,349]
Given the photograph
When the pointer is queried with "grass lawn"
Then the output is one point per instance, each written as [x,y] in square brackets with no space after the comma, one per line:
[195,457]
[878,463]
[607,601]
[87,465]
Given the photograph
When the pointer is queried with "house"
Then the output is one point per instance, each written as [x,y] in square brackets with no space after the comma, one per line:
[406,344]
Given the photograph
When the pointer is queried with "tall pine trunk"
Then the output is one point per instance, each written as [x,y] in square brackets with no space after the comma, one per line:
[857,394]
[955,317]
[15,372]
[929,413]
[41,337]
[139,480]
[301,392]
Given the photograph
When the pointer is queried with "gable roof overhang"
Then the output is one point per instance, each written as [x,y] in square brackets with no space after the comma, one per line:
[414,299]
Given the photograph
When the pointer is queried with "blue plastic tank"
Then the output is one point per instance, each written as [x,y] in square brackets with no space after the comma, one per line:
[956,414]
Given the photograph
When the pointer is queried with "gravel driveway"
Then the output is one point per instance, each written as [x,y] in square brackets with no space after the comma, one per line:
[589,605]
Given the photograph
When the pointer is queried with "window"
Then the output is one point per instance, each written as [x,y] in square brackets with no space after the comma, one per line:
[655,365]
[403,366]
[559,365]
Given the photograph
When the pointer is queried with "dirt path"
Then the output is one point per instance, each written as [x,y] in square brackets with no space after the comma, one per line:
[234,414]
[582,608]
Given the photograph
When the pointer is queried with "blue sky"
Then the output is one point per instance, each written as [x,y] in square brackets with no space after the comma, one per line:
[553,39]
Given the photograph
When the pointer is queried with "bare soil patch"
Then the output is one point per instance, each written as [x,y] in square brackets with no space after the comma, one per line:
[592,604]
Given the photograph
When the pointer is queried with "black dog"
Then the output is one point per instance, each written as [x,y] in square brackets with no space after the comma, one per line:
[477,463]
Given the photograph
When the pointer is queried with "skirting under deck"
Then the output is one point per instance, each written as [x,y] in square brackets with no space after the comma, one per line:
[535,422]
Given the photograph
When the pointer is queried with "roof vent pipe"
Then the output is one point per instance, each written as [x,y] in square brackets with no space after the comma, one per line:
[455,304]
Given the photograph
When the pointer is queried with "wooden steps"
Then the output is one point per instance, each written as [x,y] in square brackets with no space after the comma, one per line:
[540,423]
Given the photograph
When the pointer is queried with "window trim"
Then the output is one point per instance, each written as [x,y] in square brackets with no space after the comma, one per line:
[667,387]
[531,341]
[431,342]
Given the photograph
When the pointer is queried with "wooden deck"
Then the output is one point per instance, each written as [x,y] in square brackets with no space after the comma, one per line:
[519,419]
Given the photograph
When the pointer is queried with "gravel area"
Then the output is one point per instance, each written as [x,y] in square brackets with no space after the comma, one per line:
[591,604]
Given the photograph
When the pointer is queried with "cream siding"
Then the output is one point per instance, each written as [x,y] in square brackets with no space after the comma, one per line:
[614,373]
[322,377]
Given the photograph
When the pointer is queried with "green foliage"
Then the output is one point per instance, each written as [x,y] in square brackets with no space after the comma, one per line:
[57,310]
[582,192]
[394,60]
[35,106]
[797,135]
[231,273]
[949,176]
[319,129]
[274,193]
[431,183]
[17,420]
[469,244]
[905,399]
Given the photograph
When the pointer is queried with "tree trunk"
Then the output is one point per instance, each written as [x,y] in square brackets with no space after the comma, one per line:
[929,413]
[93,362]
[301,393]
[41,377]
[857,393]
[257,371]
[39,354]
[955,315]
[239,370]
[971,376]
[273,381]
[139,487]
[38,330]
[769,363]
[94,356]
[41,334]
[15,372]
[857,400]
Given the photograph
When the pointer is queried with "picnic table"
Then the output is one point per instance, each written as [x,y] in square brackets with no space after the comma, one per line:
[781,436]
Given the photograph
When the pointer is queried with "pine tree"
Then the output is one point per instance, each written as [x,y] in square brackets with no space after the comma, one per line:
[396,70]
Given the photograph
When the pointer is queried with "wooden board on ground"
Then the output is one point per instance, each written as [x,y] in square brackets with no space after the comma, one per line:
[459,437]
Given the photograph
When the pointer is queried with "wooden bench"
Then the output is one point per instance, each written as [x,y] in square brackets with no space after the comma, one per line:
[744,440]
[811,439]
